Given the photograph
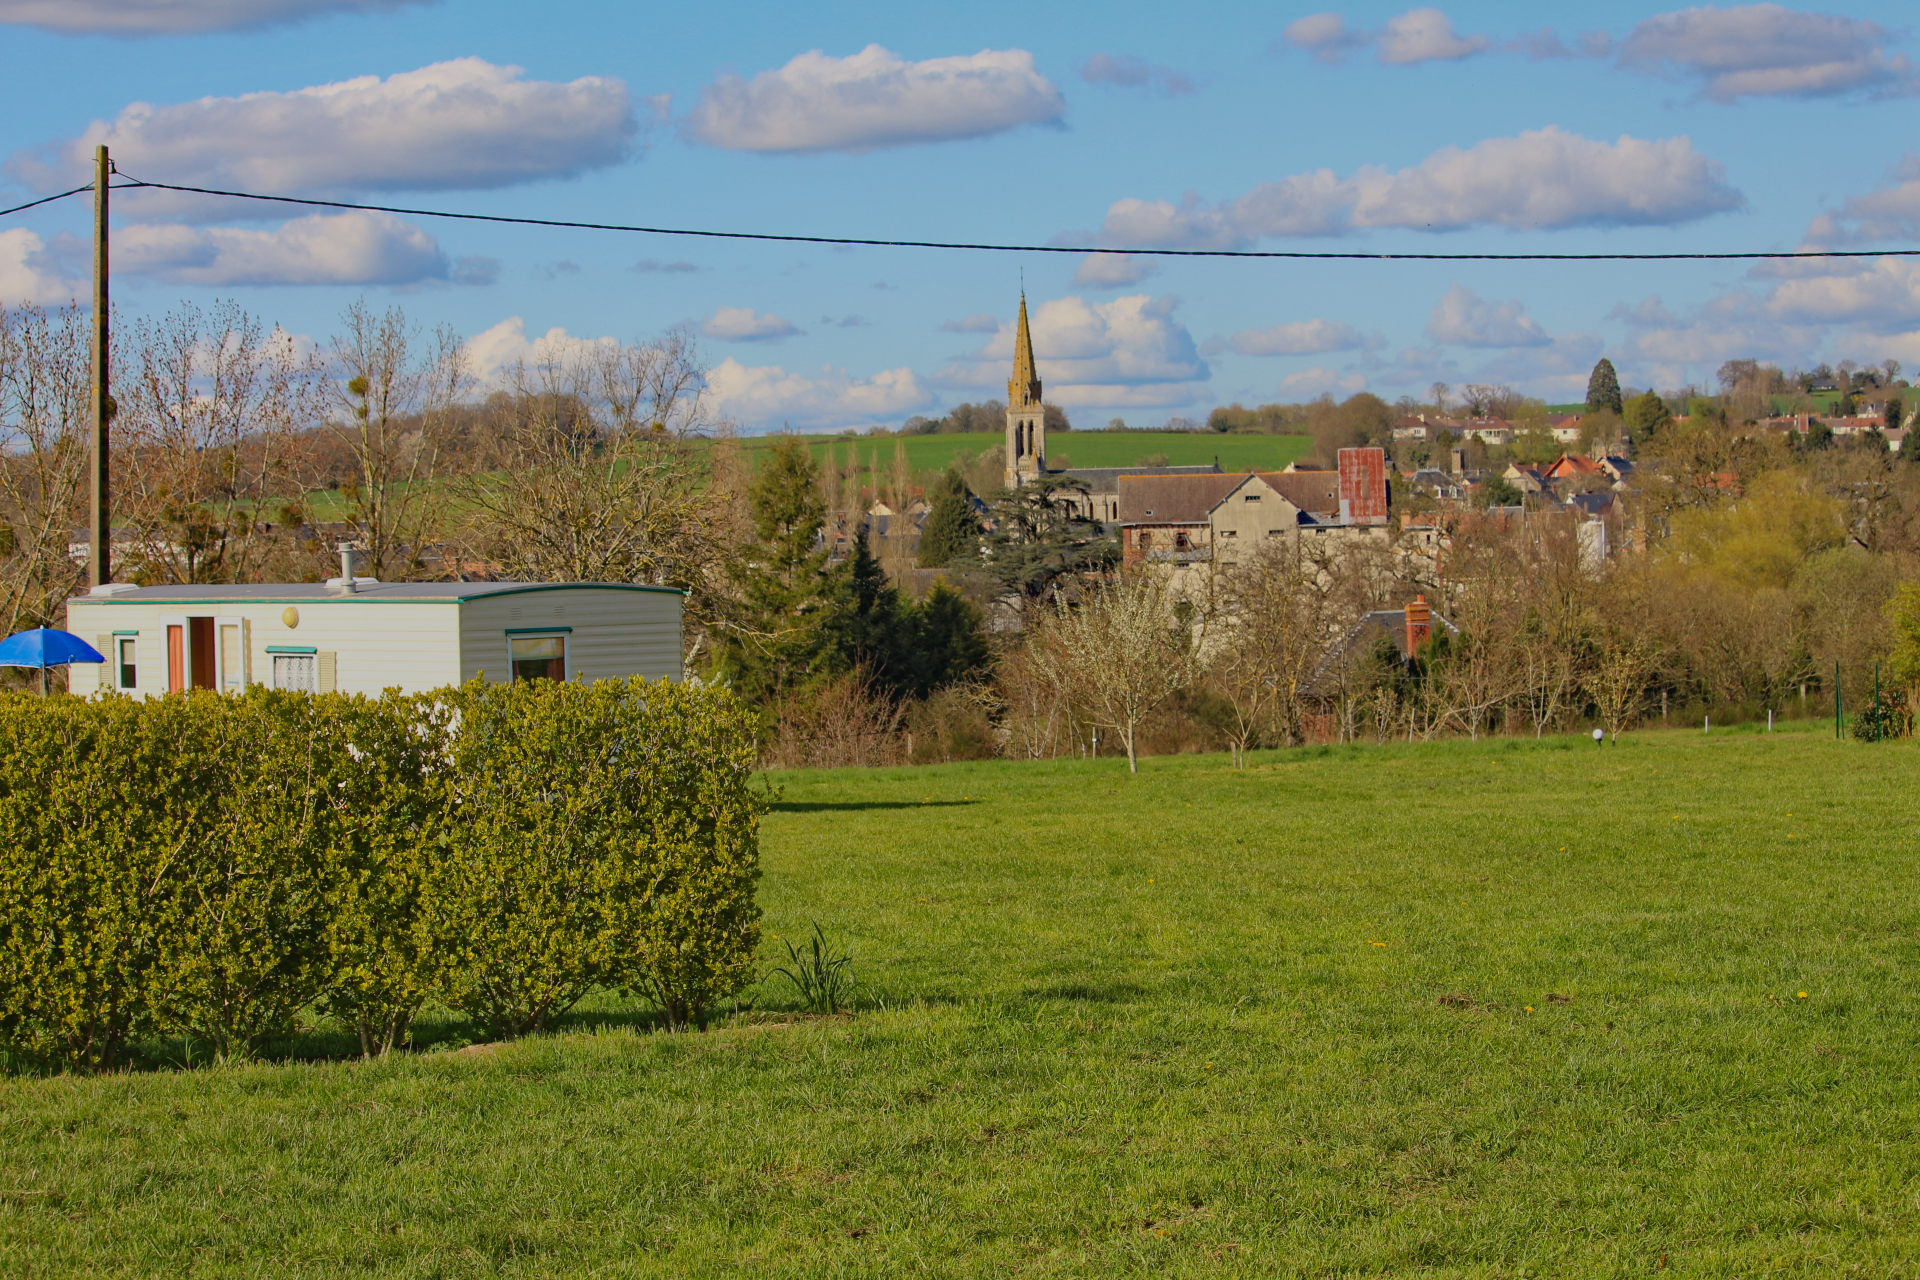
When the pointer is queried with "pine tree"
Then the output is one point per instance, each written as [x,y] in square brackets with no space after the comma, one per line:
[1603,389]
[950,528]
[1647,415]
[773,641]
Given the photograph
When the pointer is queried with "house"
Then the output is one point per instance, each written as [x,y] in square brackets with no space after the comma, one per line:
[1183,520]
[1438,483]
[1528,480]
[1565,427]
[1619,468]
[1405,629]
[1101,501]
[364,636]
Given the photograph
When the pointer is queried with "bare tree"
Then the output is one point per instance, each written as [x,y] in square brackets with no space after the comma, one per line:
[1120,654]
[1271,628]
[394,388]
[1617,682]
[595,474]
[44,449]
[210,410]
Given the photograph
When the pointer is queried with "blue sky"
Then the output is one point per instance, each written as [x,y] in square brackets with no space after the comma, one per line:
[1465,128]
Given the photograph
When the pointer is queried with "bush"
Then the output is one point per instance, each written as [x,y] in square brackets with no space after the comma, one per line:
[209,866]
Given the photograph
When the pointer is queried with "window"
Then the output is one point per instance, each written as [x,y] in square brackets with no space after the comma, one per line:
[123,660]
[1181,542]
[538,657]
[1143,538]
[1252,497]
[1229,533]
[296,671]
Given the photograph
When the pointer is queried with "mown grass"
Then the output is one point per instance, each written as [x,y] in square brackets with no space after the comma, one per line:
[1457,1010]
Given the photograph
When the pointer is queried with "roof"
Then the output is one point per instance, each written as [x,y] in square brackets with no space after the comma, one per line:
[367,592]
[1315,491]
[1107,479]
[1174,499]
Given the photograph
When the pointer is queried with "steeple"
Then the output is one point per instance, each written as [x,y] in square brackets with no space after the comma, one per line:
[1023,388]
[1026,418]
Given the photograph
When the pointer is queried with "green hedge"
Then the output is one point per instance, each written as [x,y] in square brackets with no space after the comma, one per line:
[208,866]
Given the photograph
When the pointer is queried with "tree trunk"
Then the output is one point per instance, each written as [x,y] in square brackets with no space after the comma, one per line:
[1133,760]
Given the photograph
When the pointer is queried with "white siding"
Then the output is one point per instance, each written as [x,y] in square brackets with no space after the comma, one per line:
[409,643]
[614,634]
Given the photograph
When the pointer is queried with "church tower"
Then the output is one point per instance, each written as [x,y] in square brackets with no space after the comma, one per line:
[1026,420]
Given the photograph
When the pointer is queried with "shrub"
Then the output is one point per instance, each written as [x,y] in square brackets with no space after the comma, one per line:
[604,834]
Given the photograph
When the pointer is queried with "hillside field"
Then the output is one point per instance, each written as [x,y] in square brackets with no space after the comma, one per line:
[1081,448]
[1496,1009]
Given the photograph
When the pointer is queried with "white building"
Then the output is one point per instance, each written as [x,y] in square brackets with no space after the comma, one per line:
[411,635]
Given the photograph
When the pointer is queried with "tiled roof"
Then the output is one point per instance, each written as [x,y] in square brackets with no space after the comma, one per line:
[1173,499]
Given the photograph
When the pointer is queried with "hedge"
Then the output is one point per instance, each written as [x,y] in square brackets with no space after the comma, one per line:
[209,866]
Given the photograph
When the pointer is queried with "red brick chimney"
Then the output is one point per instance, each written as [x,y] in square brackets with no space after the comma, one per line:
[1419,624]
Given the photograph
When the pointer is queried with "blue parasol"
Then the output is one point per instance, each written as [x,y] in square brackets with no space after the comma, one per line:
[45,647]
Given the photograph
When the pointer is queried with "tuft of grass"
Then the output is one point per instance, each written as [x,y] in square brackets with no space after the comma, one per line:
[823,980]
[1451,1009]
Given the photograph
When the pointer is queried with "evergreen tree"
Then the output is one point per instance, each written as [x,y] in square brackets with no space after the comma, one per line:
[773,640]
[1603,389]
[1647,416]
[950,528]
[1039,537]
[864,625]
[945,641]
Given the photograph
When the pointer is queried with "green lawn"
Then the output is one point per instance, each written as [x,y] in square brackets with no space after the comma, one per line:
[1461,1010]
[1081,448]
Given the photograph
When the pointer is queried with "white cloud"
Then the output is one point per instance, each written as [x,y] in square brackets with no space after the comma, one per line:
[1112,271]
[343,248]
[1876,292]
[1462,318]
[744,324]
[1426,35]
[1326,36]
[1130,351]
[176,17]
[1126,71]
[769,396]
[1320,380]
[978,322]
[1764,50]
[29,274]
[496,352]
[874,98]
[1891,213]
[1545,178]
[465,125]
[1300,338]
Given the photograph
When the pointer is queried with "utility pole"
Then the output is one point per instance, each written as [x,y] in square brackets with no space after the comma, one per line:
[99,519]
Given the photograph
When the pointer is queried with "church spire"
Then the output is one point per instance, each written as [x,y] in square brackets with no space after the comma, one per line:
[1023,388]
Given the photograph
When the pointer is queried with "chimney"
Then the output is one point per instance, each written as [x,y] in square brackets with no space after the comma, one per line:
[1419,624]
[346,567]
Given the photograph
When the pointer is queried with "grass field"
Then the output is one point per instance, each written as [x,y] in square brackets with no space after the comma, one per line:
[1458,1010]
[1081,448]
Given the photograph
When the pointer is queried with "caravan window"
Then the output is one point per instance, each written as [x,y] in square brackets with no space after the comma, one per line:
[124,660]
[538,657]
[296,671]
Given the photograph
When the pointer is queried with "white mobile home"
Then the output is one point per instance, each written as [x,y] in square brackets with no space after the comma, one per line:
[413,635]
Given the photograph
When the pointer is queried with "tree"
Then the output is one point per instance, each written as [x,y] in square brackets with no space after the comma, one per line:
[951,529]
[591,475]
[770,639]
[208,415]
[1039,538]
[1498,491]
[46,419]
[1271,629]
[944,642]
[1603,389]
[1118,655]
[394,389]
[1617,682]
[1647,416]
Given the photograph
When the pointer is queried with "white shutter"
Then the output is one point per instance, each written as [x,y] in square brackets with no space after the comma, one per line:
[328,672]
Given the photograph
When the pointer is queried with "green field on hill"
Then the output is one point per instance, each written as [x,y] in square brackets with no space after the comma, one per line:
[1495,1009]
[1080,448]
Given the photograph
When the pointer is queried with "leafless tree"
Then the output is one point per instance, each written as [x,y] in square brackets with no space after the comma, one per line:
[1271,628]
[1617,682]
[393,389]
[211,406]
[1118,655]
[45,383]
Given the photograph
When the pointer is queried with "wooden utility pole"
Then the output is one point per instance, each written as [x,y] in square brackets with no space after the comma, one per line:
[100,520]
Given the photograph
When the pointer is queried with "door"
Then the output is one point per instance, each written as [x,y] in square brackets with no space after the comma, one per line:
[176,656]
[231,666]
[202,661]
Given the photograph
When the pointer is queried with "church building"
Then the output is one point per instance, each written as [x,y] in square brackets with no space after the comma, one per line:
[1027,440]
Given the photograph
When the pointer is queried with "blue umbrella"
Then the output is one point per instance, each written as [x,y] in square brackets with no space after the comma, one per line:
[45,647]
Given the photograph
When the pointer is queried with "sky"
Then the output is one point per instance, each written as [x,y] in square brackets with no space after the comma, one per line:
[1472,128]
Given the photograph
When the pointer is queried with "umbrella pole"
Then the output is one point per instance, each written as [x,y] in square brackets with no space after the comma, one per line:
[43,682]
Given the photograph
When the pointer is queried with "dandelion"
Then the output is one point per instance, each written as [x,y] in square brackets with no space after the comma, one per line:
[1803,995]
[1376,944]
[1529,1008]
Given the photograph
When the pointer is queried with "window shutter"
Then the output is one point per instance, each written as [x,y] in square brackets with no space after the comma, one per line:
[327,672]
[109,677]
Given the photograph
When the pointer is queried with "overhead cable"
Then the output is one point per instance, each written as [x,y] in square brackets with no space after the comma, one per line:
[763,236]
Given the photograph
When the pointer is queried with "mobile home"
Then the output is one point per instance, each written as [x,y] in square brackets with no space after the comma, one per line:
[376,635]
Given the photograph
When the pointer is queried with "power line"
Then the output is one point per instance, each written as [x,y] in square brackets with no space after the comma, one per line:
[22,208]
[1288,254]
